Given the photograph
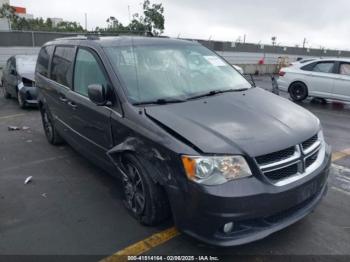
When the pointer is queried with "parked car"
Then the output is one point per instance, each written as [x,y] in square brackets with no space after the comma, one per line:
[323,78]
[185,132]
[18,79]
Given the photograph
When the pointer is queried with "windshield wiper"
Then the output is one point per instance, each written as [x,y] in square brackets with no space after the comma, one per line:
[161,101]
[215,92]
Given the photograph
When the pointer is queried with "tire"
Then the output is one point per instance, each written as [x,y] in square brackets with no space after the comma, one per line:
[145,199]
[49,128]
[298,91]
[22,103]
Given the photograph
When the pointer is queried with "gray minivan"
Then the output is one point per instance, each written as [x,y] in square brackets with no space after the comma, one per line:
[186,133]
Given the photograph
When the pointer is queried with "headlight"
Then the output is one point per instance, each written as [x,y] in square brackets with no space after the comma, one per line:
[215,170]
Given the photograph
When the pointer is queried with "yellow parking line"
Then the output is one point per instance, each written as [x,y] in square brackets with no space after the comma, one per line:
[144,245]
[341,154]
[164,236]
[11,116]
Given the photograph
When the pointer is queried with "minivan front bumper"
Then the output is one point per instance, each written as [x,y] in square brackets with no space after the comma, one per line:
[256,208]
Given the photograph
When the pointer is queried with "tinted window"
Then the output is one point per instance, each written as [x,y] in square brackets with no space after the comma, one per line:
[324,67]
[344,69]
[42,66]
[62,63]
[308,67]
[87,71]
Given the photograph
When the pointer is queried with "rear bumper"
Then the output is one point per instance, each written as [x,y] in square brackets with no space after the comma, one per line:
[256,208]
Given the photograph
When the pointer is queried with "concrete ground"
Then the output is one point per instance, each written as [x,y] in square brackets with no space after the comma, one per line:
[73,208]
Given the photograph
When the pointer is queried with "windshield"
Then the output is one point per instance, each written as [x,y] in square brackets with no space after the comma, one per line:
[26,64]
[170,72]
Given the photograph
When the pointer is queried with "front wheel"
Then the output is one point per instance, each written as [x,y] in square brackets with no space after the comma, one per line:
[49,128]
[298,91]
[142,196]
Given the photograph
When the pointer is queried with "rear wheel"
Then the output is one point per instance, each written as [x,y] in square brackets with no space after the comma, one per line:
[145,199]
[298,91]
[49,128]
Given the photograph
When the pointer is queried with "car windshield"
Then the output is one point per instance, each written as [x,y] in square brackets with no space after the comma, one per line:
[173,72]
[26,64]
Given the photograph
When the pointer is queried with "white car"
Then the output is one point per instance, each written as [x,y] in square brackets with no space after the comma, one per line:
[324,78]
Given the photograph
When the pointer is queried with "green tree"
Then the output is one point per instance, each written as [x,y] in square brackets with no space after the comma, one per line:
[7,11]
[154,18]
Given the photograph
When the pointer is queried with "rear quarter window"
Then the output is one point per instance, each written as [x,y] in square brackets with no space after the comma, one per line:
[308,67]
[42,66]
[62,64]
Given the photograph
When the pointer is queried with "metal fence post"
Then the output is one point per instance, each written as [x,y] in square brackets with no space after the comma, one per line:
[33,39]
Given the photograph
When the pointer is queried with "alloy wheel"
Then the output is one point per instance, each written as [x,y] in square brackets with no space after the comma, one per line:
[134,189]
[298,92]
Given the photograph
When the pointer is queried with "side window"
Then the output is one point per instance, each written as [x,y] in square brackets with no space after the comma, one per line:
[87,71]
[62,62]
[42,66]
[344,69]
[308,67]
[324,67]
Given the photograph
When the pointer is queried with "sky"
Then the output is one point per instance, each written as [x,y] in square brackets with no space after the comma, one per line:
[323,23]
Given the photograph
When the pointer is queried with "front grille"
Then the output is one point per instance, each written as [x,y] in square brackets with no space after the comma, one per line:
[289,162]
[311,159]
[309,142]
[276,156]
[284,172]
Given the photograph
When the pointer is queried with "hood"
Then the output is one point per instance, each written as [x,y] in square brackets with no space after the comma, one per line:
[252,122]
[28,75]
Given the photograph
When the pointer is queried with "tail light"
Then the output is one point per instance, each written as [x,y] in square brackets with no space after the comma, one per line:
[281,73]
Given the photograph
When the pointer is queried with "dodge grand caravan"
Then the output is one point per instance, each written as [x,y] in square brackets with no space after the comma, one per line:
[186,133]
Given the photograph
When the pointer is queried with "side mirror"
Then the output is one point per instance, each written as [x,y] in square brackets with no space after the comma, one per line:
[97,94]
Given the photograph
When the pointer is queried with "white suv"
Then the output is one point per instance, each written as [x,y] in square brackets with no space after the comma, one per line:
[324,78]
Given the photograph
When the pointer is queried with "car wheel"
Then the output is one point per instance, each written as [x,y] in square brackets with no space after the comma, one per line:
[49,128]
[298,91]
[142,196]
[21,102]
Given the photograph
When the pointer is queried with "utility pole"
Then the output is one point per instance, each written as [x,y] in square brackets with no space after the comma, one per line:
[129,14]
[86,22]
[244,37]
[304,42]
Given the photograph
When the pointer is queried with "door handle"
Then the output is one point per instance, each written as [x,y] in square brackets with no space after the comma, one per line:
[72,105]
